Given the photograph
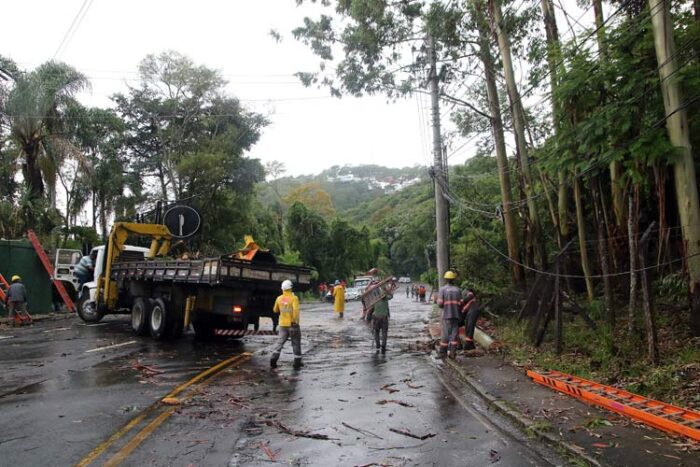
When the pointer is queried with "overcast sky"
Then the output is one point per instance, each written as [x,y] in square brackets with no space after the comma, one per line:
[309,131]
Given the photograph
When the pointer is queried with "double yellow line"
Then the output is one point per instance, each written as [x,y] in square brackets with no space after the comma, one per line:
[145,432]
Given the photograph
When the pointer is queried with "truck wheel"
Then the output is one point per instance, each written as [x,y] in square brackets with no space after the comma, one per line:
[160,321]
[203,331]
[140,316]
[87,309]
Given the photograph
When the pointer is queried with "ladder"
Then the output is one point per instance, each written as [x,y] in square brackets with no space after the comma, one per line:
[660,415]
[49,269]
[3,288]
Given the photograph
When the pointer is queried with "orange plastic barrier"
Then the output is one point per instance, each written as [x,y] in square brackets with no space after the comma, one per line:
[665,417]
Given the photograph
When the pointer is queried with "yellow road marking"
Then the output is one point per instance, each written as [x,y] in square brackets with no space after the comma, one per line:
[107,443]
[129,447]
[145,432]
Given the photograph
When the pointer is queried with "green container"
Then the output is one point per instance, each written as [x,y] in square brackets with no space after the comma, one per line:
[18,257]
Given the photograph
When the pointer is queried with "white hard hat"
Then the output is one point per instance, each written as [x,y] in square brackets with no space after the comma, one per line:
[287,285]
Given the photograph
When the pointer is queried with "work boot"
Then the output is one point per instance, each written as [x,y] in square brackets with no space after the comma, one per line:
[469,345]
[298,363]
[273,361]
[341,314]
[452,354]
[383,349]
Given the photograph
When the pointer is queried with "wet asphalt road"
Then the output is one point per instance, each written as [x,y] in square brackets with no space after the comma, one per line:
[68,390]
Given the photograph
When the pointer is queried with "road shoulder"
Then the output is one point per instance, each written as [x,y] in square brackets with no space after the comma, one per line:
[582,432]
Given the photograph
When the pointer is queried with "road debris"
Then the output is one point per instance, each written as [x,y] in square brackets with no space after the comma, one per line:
[146,370]
[297,433]
[171,401]
[394,401]
[359,430]
[494,456]
[408,433]
[266,449]
[389,388]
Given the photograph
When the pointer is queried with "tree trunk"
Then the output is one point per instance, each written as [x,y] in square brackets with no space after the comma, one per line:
[617,195]
[509,219]
[94,211]
[683,168]
[553,59]
[32,172]
[581,225]
[632,237]
[648,296]
[603,253]
[519,126]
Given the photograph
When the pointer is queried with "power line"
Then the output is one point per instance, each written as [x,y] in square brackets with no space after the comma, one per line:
[73,26]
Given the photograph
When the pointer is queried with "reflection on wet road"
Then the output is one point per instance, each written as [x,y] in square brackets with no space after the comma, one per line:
[349,406]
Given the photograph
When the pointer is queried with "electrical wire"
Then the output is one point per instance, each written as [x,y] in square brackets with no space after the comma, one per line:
[74,25]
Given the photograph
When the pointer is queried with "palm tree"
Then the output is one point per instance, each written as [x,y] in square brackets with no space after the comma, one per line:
[33,107]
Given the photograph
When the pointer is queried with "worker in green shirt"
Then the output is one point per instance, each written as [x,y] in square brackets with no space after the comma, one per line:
[380,321]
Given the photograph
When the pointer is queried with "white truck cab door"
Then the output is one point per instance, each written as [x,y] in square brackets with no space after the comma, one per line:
[64,265]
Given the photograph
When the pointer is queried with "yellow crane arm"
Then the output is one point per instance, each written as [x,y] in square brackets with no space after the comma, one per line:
[160,245]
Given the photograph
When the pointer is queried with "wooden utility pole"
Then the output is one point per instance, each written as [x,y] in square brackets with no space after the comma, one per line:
[683,168]
[519,127]
[442,250]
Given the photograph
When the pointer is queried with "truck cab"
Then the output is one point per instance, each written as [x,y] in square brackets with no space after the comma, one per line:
[86,306]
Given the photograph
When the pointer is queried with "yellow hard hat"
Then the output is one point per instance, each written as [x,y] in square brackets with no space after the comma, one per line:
[16,278]
[450,275]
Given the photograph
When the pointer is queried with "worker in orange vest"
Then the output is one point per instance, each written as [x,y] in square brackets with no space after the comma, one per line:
[339,298]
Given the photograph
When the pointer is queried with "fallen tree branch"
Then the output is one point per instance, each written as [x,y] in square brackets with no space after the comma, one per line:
[394,401]
[300,434]
[266,449]
[408,433]
[389,448]
[359,430]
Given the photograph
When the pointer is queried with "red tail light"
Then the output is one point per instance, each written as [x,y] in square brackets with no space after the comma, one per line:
[237,309]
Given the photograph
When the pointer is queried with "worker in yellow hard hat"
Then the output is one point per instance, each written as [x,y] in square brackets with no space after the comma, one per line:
[339,298]
[449,298]
[16,297]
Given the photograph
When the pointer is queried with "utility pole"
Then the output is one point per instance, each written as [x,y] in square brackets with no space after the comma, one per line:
[442,251]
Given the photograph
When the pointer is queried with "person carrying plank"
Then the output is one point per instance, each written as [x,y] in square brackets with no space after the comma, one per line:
[380,321]
[287,306]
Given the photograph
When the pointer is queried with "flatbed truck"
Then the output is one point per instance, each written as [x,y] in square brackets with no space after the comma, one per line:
[165,296]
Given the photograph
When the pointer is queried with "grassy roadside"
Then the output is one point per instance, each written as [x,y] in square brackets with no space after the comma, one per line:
[614,358]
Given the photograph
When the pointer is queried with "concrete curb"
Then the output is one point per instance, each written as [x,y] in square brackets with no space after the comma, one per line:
[519,418]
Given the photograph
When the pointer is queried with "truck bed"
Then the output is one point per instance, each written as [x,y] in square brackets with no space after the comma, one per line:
[216,271]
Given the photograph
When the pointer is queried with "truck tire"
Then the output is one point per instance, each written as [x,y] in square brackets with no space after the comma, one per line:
[160,322]
[87,310]
[203,330]
[141,316]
